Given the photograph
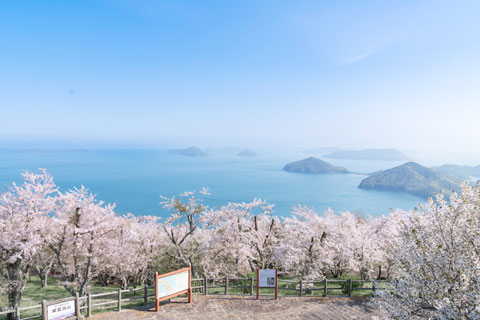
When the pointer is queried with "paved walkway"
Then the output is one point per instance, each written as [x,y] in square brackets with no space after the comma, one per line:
[231,307]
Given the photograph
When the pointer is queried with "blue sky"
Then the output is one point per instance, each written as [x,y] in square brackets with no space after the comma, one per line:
[356,74]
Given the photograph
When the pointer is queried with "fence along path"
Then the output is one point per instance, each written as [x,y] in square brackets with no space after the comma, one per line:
[221,286]
[247,286]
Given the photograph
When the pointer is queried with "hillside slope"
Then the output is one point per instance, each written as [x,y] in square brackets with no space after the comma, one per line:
[411,178]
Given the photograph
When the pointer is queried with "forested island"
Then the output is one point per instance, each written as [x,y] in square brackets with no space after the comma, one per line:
[313,165]
[411,178]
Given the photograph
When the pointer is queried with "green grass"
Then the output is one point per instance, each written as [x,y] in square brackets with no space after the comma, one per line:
[34,294]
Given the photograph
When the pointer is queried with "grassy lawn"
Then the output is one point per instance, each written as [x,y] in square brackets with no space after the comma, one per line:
[34,294]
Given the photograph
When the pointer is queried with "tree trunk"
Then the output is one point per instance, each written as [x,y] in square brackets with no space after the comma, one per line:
[124,283]
[44,280]
[43,274]
[192,268]
[17,279]
[379,272]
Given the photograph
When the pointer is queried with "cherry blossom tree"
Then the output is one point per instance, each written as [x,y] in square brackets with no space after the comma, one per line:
[265,236]
[131,256]
[183,241]
[43,262]
[302,252]
[386,231]
[237,237]
[339,243]
[84,238]
[24,210]
[149,246]
[370,241]
[437,261]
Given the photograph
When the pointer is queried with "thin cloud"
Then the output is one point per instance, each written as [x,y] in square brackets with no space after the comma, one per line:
[361,57]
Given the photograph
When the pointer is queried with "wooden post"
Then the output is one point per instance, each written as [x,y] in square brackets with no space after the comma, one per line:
[157,303]
[349,287]
[44,310]
[190,292]
[226,285]
[119,305]
[205,286]
[17,312]
[89,305]
[251,286]
[145,295]
[257,283]
[325,290]
[77,306]
[276,283]
[374,286]
[301,288]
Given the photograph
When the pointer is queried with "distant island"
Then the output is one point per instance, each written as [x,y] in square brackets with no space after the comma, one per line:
[313,165]
[247,153]
[387,154]
[411,178]
[321,151]
[223,149]
[39,150]
[463,172]
[189,152]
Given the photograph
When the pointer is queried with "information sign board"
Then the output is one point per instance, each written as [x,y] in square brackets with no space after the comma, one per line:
[173,284]
[61,310]
[267,278]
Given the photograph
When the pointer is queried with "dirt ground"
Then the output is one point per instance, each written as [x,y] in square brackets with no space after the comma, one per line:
[232,307]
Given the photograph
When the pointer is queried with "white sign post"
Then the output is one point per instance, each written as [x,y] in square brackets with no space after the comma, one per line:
[267,278]
[61,310]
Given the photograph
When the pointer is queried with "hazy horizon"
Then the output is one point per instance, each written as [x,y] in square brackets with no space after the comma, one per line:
[424,157]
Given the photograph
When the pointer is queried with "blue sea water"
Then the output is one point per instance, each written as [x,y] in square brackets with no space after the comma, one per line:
[135,179]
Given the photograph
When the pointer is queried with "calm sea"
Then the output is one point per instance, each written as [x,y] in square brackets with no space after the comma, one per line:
[134,179]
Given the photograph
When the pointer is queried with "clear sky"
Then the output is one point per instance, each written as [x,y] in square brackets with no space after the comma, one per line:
[402,74]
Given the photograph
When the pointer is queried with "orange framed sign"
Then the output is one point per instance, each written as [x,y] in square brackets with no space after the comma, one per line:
[173,284]
[267,278]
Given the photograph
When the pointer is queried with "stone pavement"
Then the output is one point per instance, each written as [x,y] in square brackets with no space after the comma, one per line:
[234,307]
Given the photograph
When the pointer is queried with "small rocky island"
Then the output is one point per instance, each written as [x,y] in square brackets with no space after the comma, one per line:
[387,154]
[247,153]
[313,165]
[189,152]
[411,178]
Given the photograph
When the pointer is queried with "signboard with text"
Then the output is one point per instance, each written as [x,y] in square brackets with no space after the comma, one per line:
[61,310]
[172,284]
[267,278]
